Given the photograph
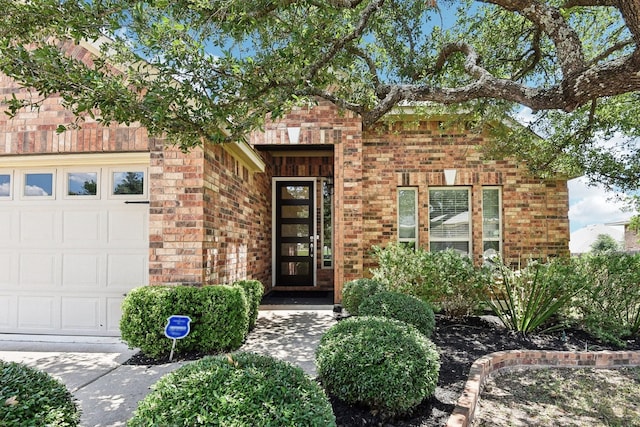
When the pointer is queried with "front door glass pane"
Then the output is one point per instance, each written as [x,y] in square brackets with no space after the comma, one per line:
[295,249]
[295,230]
[301,268]
[295,211]
[295,192]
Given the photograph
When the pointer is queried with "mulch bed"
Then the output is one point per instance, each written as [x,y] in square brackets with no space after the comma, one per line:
[460,342]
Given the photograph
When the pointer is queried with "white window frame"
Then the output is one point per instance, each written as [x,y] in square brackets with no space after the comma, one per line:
[132,168]
[23,183]
[65,175]
[497,238]
[469,237]
[408,240]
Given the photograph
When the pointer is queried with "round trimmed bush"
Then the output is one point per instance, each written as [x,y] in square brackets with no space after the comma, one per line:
[254,290]
[356,291]
[29,397]
[381,363]
[242,389]
[405,308]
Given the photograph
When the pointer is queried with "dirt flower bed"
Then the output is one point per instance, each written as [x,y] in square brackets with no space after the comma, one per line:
[561,397]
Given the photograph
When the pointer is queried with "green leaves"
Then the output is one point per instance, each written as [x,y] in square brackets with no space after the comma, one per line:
[188,69]
[384,364]
[241,389]
[29,397]
[527,299]
[219,314]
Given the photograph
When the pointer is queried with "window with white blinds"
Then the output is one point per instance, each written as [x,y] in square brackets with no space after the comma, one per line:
[408,216]
[449,219]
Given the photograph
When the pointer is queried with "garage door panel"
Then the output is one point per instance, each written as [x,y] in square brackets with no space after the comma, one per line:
[81,227]
[128,226]
[81,270]
[38,269]
[8,276]
[80,314]
[126,270]
[8,311]
[7,226]
[38,312]
[38,226]
[114,313]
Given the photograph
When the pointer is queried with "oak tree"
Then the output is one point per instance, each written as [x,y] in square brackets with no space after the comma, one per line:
[212,70]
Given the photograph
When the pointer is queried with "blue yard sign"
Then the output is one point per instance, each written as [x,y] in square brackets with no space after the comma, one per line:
[177,328]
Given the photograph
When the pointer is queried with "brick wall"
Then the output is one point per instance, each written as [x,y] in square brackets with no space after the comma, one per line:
[34,132]
[237,220]
[535,221]
[176,216]
[210,218]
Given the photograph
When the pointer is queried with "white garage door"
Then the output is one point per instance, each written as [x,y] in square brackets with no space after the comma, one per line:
[73,241]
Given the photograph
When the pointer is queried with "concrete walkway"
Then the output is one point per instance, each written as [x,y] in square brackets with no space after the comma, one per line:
[108,392]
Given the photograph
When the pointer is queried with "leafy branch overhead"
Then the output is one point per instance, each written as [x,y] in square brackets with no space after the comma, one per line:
[190,68]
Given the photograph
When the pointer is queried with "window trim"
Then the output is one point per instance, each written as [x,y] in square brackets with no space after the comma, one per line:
[408,240]
[125,169]
[469,238]
[23,183]
[67,172]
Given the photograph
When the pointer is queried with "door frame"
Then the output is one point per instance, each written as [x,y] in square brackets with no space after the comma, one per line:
[314,261]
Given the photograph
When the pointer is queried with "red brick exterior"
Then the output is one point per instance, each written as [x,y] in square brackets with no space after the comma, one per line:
[415,154]
[369,166]
[211,215]
[34,132]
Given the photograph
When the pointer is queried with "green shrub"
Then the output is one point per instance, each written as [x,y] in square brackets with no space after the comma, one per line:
[219,317]
[608,306]
[254,290]
[446,279]
[29,397]
[355,291]
[405,308]
[381,363]
[242,389]
[526,300]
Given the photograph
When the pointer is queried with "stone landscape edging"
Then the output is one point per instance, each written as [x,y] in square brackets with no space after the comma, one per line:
[464,412]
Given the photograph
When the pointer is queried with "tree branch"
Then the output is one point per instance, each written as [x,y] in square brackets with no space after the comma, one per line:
[368,12]
[551,22]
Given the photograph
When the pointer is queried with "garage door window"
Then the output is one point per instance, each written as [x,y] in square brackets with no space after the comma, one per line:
[38,185]
[82,184]
[128,183]
[5,186]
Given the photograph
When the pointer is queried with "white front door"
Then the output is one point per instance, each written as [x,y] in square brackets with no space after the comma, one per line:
[73,241]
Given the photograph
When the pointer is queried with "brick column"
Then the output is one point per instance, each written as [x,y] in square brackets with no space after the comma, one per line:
[176,217]
[348,198]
